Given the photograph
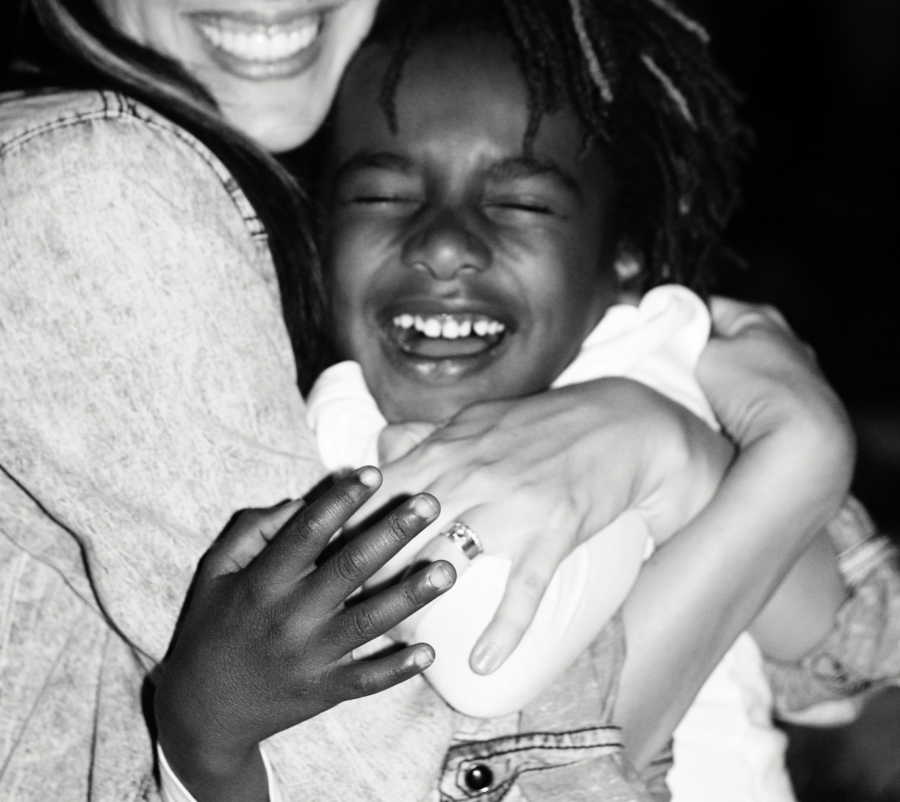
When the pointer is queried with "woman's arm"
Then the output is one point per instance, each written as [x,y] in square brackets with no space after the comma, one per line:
[704,587]
[148,384]
[147,391]
[804,607]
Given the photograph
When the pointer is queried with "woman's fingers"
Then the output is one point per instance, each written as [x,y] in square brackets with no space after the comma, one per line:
[731,318]
[398,439]
[525,588]
[359,559]
[359,623]
[372,675]
[292,553]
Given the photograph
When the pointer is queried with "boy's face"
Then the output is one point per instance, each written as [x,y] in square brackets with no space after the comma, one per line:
[462,269]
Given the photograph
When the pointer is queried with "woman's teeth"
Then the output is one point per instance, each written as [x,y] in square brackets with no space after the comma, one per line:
[450,327]
[261,43]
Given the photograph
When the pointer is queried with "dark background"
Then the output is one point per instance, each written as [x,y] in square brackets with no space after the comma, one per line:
[819,231]
[819,224]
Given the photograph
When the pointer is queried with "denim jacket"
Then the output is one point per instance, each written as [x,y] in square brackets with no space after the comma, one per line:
[148,391]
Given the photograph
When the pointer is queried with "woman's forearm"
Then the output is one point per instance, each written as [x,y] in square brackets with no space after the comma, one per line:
[803,609]
[706,585]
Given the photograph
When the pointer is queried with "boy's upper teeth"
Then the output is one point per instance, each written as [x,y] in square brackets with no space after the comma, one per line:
[450,327]
[261,42]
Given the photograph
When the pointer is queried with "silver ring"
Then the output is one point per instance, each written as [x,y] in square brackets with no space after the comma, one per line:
[462,536]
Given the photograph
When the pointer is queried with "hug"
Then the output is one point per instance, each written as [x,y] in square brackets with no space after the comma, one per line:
[253,248]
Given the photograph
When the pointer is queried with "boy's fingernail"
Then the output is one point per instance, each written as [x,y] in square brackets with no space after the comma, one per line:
[425,506]
[441,576]
[369,476]
[422,658]
[485,659]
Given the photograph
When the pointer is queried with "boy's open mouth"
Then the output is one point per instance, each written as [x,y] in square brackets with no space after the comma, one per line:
[457,335]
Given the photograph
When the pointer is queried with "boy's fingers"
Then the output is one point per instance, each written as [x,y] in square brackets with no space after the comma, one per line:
[362,622]
[365,677]
[246,536]
[294,549]
[344,572]
[524,590]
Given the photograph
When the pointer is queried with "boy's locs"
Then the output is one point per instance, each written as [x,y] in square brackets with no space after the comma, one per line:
[477,203]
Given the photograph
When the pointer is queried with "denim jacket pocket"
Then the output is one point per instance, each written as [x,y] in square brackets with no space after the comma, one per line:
[488,770]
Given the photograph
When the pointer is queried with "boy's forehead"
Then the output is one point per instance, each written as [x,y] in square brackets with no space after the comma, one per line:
[439,72]
[451,87]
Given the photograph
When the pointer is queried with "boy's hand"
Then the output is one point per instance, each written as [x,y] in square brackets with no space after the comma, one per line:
[265,640]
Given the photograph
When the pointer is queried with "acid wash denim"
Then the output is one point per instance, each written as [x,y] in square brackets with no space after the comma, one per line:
[147,391]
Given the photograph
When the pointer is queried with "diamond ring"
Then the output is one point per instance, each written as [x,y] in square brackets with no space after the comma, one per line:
[461,535]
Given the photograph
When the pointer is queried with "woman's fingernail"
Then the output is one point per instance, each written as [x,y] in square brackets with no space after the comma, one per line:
[441,576]
[369,476]
[425,506]
[485,659]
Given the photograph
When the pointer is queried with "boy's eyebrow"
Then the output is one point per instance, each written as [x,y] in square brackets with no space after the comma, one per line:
[371,160]
[528,166]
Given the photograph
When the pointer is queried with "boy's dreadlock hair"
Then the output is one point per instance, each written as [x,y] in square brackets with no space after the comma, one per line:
[638,75]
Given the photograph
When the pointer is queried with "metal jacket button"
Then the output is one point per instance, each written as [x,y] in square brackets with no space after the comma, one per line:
[479,777]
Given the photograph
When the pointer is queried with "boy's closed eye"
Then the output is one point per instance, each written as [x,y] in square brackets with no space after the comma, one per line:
[530,186]
[500,204]
[378,179]
[374,187]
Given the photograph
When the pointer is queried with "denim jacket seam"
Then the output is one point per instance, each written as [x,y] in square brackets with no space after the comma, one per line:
[127,109]
[467,752]
[611,745]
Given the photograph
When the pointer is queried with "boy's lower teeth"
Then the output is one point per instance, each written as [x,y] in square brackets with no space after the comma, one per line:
[417,344]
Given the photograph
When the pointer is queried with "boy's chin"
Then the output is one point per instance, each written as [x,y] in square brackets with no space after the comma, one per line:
[402,400]
[425,408]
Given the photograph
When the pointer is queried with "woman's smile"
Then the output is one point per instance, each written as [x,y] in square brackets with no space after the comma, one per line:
[272,67]
[257,47]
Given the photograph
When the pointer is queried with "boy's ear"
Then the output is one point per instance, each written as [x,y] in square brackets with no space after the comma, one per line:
[629,269]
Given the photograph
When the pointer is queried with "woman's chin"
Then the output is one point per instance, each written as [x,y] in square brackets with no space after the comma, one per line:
[276,131]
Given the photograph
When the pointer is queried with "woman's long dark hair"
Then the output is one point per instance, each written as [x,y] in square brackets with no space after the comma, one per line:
[70,44]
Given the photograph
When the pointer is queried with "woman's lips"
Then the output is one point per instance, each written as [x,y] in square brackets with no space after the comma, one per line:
[254,48]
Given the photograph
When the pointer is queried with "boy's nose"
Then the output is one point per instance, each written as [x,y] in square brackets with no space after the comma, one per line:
[445,247]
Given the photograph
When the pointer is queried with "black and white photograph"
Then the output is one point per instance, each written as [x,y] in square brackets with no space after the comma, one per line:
[449,401]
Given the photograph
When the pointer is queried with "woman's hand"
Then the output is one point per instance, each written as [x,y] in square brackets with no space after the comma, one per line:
[265,640]
[763,382]
[571,460]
